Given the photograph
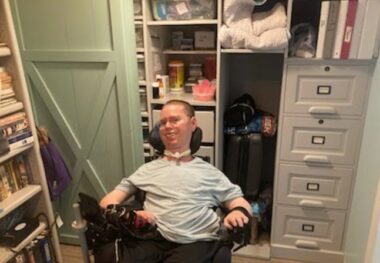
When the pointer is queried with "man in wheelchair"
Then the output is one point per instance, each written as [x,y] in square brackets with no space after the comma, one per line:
[181,192]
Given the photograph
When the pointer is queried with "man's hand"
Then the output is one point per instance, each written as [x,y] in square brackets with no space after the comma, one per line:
[144,217]
[234,219]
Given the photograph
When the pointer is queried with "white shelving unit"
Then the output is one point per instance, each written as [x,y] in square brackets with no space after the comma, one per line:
[264,75]
[142,65]
[36,196]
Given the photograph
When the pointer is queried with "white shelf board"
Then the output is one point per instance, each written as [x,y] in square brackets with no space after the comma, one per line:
[144,114]
[138,23]
[6,254]
[11,108]
[248,51]
[184,96]
[183,22]
[140,50]
[18,198]
[138,17]
[189,52]
[15,152]
[146,146]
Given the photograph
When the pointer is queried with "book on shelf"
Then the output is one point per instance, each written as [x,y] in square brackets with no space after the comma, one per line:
[21,135]
[331,28]
[323,19]
[14,175]
[340,27]
[15,127]
[370,32]
[350,21]
[11,118]
[21,143]
[5,51]
[45,249]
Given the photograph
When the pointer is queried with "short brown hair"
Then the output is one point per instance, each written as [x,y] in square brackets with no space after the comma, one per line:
[188,108]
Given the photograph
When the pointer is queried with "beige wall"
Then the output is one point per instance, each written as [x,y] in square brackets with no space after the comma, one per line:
[367,179]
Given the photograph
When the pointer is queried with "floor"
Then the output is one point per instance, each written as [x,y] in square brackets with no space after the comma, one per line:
[73,254]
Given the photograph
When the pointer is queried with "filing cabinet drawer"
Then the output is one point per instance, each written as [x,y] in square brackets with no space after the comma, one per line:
[312,89]
[207,153]
[320,141]
[318,187]
[205,122]
[309,228]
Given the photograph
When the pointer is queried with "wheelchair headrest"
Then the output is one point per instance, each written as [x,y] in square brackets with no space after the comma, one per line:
[154,139]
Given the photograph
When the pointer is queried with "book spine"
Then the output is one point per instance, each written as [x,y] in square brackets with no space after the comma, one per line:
[15,127]
[350,21]
[6,185]
[331,29]
[20,136]
[15,178]
[45,249]
[20,168]
[12,118]
[21,143]
[325,6]
[340,29]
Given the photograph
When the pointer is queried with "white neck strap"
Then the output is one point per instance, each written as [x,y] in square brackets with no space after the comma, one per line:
[177,155]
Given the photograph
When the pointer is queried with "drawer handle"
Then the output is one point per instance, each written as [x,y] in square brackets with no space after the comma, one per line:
[322,110]
[316,159]
[311,203]
[307,244]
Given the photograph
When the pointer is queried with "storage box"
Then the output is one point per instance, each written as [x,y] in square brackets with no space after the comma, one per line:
[204,40]
[183,10]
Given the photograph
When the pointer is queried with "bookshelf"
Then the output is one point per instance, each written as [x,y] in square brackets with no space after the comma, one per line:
[34,197]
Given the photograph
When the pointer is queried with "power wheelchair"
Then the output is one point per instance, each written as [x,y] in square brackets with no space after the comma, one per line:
[97,229]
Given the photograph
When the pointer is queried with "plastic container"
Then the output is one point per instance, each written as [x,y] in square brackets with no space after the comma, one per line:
[183,9]
[176,76]
[204,91]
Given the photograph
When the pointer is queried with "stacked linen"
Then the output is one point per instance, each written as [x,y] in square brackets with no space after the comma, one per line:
[245,29]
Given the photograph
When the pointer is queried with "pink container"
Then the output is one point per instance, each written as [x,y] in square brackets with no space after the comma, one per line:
[204,91]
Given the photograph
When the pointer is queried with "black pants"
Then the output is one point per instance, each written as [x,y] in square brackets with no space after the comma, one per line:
[158,250]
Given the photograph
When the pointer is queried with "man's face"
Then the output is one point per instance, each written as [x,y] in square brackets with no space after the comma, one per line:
[176,128]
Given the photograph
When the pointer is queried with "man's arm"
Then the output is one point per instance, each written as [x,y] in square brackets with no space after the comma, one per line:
[114,197]
[236,218]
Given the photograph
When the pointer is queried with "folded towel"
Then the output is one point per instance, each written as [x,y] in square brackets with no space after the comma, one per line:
[264,21]
[271,39]
[238,13]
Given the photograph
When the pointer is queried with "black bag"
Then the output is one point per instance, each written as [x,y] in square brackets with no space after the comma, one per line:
[241,112]
[243,162]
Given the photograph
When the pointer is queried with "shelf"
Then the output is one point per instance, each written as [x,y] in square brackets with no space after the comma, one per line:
[11,108]
[144,114]
[138,17]
[4,51]
[184,96]
[142,83]
[14,152]
[138,23]
[146,146]
[183,22]
[6,254]
[249,51]
[18,198]
[140,50]
[189,52]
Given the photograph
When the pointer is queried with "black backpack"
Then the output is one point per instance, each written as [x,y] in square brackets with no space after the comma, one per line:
[241,112]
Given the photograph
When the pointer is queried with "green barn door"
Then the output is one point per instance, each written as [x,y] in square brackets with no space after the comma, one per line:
[80,63]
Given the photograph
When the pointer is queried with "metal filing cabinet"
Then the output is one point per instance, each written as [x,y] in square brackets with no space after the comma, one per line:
[321,129]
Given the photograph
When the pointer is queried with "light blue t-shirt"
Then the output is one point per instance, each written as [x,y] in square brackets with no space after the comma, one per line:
[182,197]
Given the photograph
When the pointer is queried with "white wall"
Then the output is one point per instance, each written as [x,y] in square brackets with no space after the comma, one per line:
[367,179]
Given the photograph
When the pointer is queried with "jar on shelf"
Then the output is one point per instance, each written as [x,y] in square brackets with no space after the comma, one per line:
[176,76]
